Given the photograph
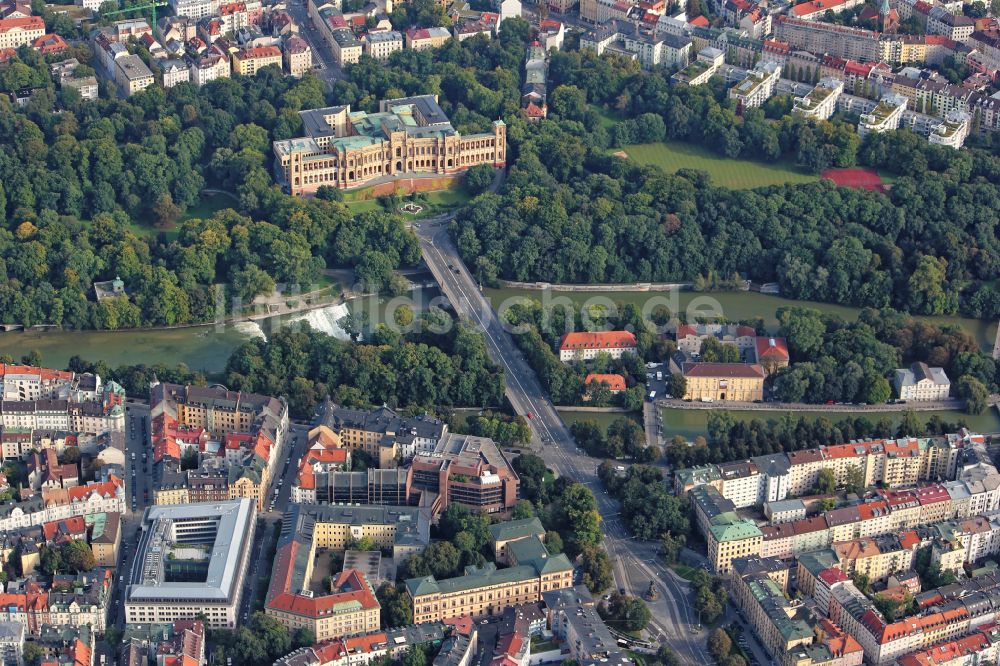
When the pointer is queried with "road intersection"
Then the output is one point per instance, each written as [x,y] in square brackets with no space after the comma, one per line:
[635,563]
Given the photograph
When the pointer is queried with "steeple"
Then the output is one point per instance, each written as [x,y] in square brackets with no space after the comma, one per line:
[884,18]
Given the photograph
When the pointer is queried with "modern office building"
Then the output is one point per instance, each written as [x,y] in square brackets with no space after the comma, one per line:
[191,560]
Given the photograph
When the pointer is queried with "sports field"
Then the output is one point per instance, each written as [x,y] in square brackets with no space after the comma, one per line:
[862,179]
[734,174]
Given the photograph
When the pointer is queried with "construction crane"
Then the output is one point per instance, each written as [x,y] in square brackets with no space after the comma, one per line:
[151,6]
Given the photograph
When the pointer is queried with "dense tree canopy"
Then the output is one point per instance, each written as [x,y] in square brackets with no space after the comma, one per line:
[422,369]
[87,190]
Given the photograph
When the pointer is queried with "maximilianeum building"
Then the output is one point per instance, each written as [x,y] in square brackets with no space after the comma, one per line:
[408,137]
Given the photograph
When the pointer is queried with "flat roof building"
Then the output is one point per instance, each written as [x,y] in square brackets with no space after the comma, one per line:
[191,560]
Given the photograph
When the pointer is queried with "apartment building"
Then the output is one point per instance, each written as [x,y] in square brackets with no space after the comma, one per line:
[704,67]
[381,433]
[105,537]
[209,68]
[420,39]
[651,48]
[347,149]
[977,648]
[381,45]
[297,55]
[758,85]
[487,590]
[585,346]
[174,71]
[877,557]
[884,117]
[132,74]
[952,131]
[196,9]
[63,73]
[723,381]
[18,32]
[717,490]
[956,27]
[839,41]
[250,427]
[347,48]
[598,12]
[40,605]
[780,624]
[820,102]
[815,10]
[247,62]
[79,418]
[921,383]
[730,537]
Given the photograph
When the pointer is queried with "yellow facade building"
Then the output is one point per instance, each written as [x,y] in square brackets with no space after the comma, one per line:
[247,62]
[724,381]
[408,137]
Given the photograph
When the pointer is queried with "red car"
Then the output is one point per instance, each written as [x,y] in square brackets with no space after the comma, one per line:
[530,415]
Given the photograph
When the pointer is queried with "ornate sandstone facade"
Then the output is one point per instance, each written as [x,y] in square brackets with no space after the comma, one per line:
[408,137]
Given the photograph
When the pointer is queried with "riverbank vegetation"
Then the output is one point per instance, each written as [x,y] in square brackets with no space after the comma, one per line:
[737,436]
[838,361]
[418,369]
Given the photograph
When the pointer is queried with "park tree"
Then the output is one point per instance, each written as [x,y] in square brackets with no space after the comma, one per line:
[719,644]
[596,565]
[671,547]
[625,612]
[677,386]
[50,560]
[479,178]
[76,556]
[975,394]
[397,611]
[576,511]
[826,482]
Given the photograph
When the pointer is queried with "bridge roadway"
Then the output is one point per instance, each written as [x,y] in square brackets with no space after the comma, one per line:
[635,563]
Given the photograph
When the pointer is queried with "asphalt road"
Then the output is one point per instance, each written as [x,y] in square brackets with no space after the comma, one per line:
[138,481]
[329,70]
[260,566]
[636,564]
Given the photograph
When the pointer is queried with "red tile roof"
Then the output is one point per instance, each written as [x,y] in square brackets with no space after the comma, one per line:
[752,370]
[599,340]
[858,68]
[699,21]
[614,382]
[50,43]
[532,110]
[352,586]
[29,23]
[771,348]
[832,575]
[259,52]
[815,6]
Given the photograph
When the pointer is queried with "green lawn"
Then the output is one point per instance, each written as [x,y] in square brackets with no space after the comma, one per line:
[602,419]
[609,118]
[433,202]
[735,174]
[693,422]
[684,571]
[207,206]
